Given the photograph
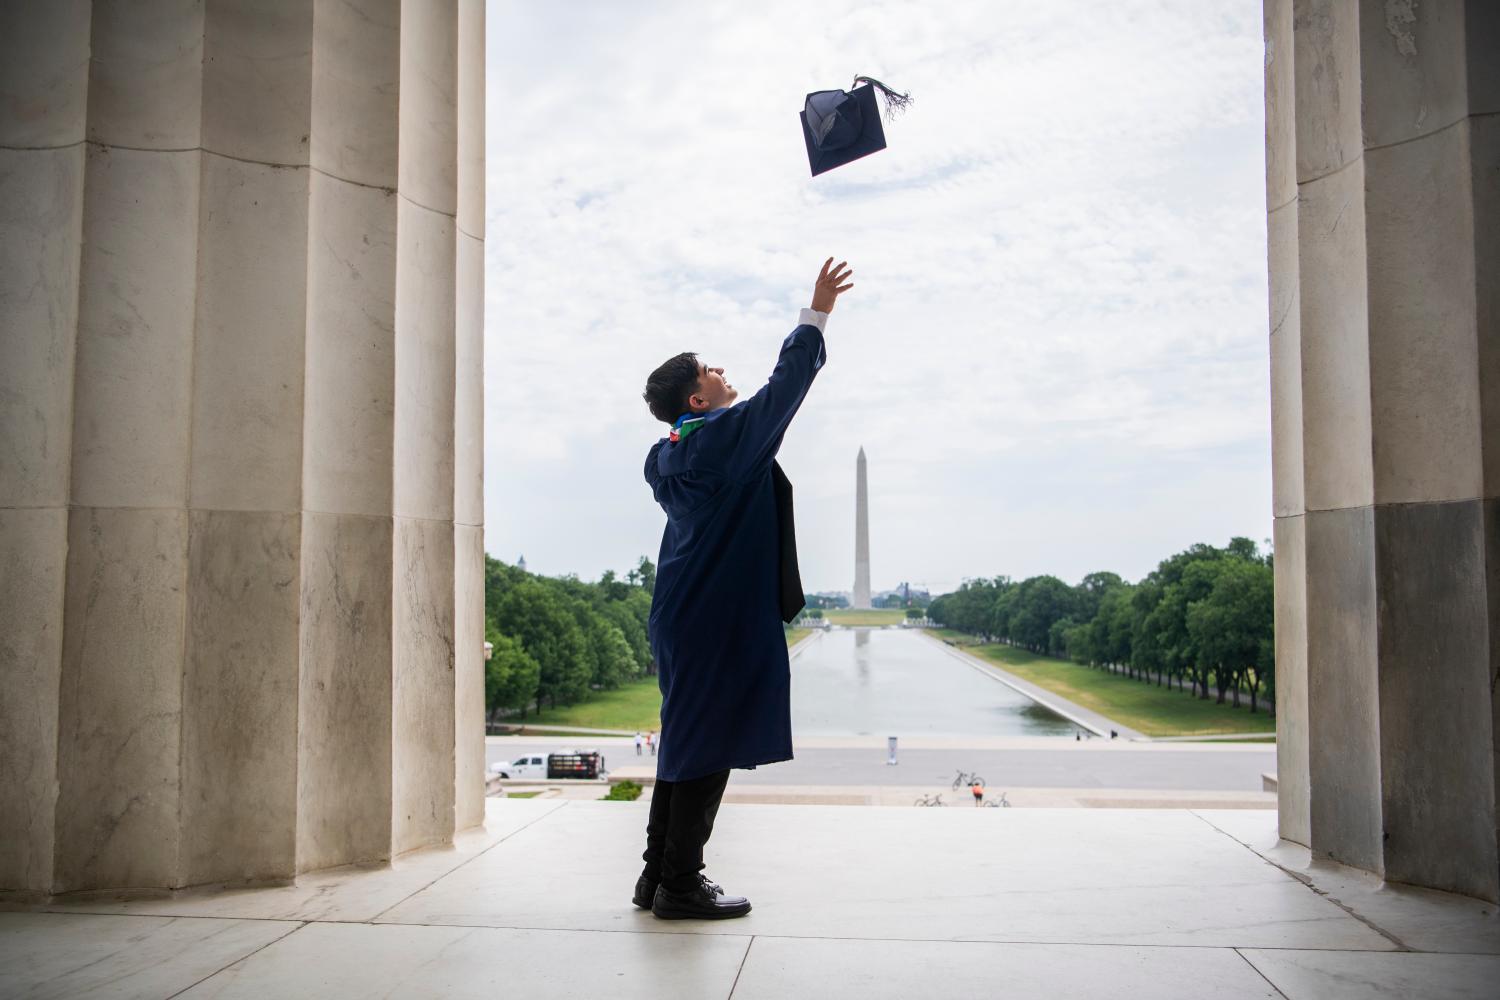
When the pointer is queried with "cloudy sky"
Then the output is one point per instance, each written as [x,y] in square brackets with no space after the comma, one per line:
[1055,351]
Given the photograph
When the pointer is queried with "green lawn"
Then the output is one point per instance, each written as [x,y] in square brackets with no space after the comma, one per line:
[873,616]
[1153,710]
[632,706]
[636,705]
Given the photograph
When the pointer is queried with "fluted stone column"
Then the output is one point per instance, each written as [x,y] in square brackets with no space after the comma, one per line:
[231,438]
[1380,332]
[423,700]
[1288,496]
[468,404]
[1482,36]
[44,62]
[344,787]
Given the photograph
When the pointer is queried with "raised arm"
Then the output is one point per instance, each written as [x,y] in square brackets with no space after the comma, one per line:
[764,418]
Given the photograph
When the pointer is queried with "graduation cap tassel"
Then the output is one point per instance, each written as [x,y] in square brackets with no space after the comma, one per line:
[894,103]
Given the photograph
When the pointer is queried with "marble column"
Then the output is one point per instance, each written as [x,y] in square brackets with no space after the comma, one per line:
[233,438]
[44,82]
[1380,332]
[468,406]
[1288,496]
[1482,38]
[423,627]
[344,786]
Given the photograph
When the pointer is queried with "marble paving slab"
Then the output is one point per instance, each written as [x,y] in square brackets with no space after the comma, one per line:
[72,956]
[778,968]
[1420,919]
[1325,975]
[360,961]
[351,893]
[1062,876]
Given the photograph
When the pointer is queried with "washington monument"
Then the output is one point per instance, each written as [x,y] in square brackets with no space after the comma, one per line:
[861,534]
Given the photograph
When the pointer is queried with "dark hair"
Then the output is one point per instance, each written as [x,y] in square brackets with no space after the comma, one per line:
[668,388]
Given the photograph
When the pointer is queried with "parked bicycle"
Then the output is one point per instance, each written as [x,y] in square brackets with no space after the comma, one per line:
[964,778]
[930,800]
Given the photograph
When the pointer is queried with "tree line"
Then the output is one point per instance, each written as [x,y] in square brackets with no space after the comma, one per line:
[1202,619]
[558,638]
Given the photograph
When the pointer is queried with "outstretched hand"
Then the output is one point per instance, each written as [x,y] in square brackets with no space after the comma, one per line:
[828,289]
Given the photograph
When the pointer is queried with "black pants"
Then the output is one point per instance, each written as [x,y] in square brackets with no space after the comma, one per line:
[682,818]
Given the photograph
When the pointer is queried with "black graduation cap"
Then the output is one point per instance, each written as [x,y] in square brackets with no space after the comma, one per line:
[840,126]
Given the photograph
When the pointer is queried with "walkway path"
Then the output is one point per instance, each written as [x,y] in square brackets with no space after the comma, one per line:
[1066,766]
[1218,738]
[1036,771]
[866,904]
[546,728]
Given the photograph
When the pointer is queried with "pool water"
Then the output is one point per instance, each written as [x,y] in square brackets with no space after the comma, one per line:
[897,682]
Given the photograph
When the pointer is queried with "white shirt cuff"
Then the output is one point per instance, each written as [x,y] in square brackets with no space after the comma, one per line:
[811,317]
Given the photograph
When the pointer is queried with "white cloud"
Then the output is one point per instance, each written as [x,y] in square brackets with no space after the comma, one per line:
[1055,350]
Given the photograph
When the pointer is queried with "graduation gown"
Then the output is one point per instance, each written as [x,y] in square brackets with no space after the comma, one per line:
[716,611]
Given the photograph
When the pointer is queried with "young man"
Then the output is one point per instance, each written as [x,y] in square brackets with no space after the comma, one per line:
[716,618]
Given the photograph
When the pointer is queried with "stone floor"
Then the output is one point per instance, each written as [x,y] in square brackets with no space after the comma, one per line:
[848,903]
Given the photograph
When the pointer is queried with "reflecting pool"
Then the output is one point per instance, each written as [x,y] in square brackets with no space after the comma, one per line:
[896,682]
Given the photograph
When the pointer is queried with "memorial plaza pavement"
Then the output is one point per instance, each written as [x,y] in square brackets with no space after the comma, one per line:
[859,903]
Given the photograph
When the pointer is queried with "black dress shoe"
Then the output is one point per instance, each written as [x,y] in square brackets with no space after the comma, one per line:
[706,902]
[645,891]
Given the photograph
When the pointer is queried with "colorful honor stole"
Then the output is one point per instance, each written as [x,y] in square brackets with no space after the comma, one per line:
[686,424]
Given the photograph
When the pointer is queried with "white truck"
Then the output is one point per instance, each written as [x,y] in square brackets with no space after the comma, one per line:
[530,766]
[567,764]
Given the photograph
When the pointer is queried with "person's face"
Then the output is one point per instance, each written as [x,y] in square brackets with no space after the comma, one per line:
[714,391]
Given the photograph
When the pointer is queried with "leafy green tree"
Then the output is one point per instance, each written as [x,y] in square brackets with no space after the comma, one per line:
[1077,640]
[971,607]
[1090,592]
[1058,637]
[1232,625]
[1039,602]
[572,595]
[611,588]
[1204,615]
[937,610]
[1169,620]
[1240,547]
[623,617]
[510,675]
[544,625]
[1003,607]
[614,662]
[1114,625]
[498,578]
[1145,650]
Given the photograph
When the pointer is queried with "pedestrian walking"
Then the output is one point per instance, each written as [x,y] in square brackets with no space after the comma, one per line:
[726,580]
[977,789]
[651,742]
[639,740]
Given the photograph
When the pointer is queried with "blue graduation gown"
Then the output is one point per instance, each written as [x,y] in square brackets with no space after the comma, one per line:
[715,627]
